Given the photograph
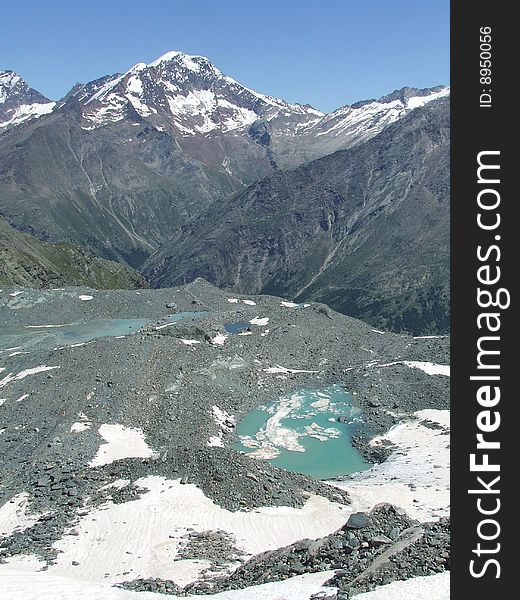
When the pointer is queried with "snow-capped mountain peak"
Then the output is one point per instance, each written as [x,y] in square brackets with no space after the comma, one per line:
[192,62]
[18,101]
[184,93]
[187,95]
[193,101]
[8,81]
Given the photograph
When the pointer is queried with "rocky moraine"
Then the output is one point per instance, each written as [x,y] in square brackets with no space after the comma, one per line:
[89,428]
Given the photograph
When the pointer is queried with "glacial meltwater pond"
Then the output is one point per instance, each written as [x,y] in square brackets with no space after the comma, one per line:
[236,328]
[300,432]
[24,338]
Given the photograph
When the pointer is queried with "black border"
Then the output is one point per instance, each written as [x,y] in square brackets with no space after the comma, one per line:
[475,129]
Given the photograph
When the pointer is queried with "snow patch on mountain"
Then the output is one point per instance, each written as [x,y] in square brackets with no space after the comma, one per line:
[99,89]
[417,101]
[134,86]
[27,111]
[15,515]
[188,61]
[428,587]
[416,477]
[8,82]
[143,537]
[21,577]
[373,116]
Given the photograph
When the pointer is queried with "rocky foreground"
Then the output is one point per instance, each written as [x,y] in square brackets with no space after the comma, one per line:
[118,462]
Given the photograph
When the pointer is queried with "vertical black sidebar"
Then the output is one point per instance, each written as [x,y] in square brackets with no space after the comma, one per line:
[485,264]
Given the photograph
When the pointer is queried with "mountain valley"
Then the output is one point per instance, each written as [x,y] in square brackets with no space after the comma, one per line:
[224,341]
[127,165]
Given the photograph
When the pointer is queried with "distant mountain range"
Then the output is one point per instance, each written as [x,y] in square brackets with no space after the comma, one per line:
[173,165]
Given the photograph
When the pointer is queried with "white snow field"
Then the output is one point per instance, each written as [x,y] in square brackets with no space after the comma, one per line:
[20,582]
[141,538]
[432,587]
[259,321]
[416,477]
[121,442]
[25,373]
[279,369]
[428,367]
[14,515]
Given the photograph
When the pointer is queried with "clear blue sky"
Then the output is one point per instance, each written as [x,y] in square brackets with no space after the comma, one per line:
[326,53]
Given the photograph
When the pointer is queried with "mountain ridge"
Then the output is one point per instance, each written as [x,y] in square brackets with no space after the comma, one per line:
[165,81]
[120,185]
[125,163]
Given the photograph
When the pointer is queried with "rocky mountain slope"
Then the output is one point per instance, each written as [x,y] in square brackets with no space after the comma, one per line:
[19,102]
[123,162]
[26,261]
[364,230]
[118,191]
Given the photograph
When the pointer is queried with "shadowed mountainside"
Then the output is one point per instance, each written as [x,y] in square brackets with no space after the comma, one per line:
[364,230]
[27,262]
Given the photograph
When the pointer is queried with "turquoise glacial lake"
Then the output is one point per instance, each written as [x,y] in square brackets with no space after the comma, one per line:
[236,328]
[25,337]
[300,432]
